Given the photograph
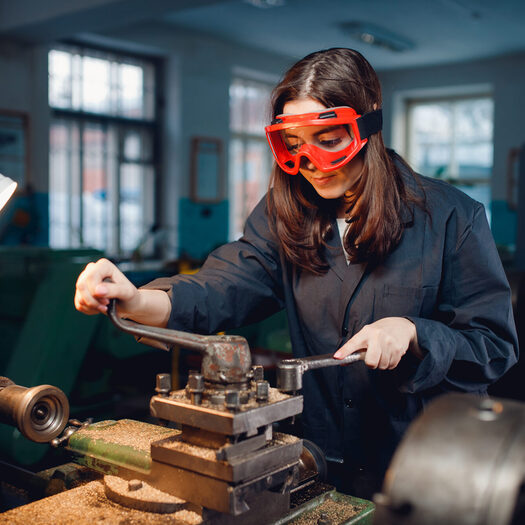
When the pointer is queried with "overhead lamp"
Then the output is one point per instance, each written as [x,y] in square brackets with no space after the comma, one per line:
[7,188]
[265,4]
[377,36]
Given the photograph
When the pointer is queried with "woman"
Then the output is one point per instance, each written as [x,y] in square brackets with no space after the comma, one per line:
[418,285]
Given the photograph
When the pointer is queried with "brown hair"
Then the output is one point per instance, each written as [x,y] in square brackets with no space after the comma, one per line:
[337,77]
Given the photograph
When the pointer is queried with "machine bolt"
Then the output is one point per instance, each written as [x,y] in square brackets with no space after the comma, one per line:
[195,387]
[163,386]
[232,400]
[324,519]
[262,390]
[134,484]
[258,372]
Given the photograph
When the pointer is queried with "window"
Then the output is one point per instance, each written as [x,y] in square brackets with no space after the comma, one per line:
[452,139]
[102,155]
[250,157]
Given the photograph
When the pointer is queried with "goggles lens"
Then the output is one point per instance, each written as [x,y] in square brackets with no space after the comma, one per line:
[329,139]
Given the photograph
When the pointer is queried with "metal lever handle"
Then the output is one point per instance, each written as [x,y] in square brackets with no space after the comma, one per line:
[290,371]
[164,335]
[200,343]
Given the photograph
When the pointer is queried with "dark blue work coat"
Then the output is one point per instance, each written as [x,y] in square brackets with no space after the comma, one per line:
[445,276]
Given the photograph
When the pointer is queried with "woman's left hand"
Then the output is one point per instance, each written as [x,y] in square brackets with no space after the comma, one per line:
[385,342]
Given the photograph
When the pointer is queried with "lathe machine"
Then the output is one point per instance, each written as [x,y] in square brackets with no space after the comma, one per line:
[215,457]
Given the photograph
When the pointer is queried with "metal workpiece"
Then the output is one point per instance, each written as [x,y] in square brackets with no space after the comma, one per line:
[216,418]
[40,413]
[220,495]
[226,358]
[462,461]
[290,371]
[238,467]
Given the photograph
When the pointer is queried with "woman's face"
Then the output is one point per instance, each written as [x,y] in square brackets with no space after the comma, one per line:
[334,184]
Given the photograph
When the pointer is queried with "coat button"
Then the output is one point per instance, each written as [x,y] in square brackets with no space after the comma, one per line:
[348,403]
[345,331]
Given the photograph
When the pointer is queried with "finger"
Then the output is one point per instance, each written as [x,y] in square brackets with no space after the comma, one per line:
[84,299]
[373,354]
[384,360]
[358,342]
[81,306]
[112,290]
[96,273]
[394,361]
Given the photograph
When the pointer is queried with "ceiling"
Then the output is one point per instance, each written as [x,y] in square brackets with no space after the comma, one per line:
[441,31]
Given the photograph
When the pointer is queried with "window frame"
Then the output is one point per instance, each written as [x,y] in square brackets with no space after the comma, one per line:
[121,124]
[411,102]
[245,138]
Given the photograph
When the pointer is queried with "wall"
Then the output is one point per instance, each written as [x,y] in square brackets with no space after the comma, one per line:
[506,77]
[198,72]
[23,70]
[196,79]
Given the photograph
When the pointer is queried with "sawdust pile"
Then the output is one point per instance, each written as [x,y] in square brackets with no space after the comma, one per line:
[127,432]
[88,505]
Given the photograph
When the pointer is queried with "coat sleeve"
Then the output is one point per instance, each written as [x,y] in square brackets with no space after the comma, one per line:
[239,283]
[471,340]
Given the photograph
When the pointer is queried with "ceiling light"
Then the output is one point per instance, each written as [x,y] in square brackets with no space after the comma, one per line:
[265,4]
[7,188]
[376,36]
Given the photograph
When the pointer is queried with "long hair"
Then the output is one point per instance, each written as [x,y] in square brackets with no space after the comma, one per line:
[337,77]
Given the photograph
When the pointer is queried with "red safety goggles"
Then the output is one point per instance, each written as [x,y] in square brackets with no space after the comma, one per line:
[329,138]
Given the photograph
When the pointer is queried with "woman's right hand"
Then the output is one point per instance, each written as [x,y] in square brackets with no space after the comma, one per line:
[98,283]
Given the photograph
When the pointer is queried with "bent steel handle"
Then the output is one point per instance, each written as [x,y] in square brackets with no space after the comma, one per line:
[290,371]
[200,343]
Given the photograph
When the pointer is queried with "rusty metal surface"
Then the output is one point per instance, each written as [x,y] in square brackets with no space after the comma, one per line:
[226,358]
[216,418]
[281,450]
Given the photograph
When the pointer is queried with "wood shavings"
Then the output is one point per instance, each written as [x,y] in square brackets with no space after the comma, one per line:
[88,505]
[334,512]
[127,432]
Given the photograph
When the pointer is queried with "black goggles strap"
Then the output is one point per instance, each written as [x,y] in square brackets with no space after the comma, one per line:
[370,123]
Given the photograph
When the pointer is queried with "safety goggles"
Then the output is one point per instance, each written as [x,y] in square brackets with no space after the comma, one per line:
[329,138]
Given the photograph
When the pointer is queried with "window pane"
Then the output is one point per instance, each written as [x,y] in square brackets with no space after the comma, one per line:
[100,82]
[136,208]
[60,74]
[249,156]
[95,198]
[249,106]
[96,85]
[452,139]
[248,179]
[131,84]
[101,191]
[64,194]
[430,138]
